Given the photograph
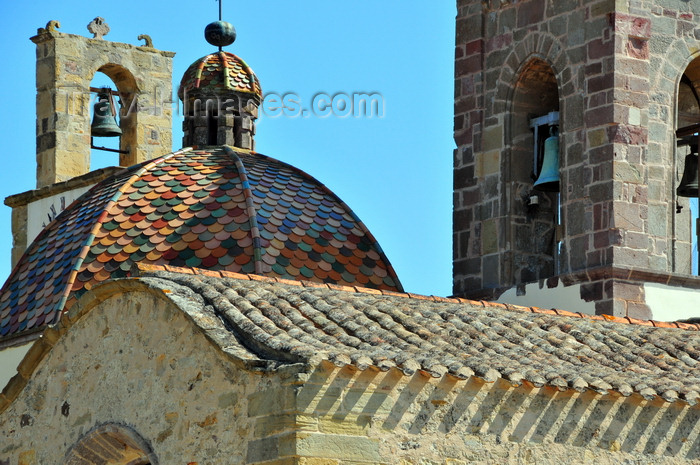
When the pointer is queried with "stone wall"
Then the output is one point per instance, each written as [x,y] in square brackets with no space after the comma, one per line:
[342,416]
[134,378]
[66,65]
[134,363]
[617,68]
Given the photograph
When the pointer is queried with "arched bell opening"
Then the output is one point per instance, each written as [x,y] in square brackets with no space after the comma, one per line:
[113,90]
[111,444]
[686,171]
[533,173]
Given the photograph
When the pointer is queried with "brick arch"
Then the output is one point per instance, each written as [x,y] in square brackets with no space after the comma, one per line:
[678,55]
[532,260]
[111,444]
[667,76]
[666,79]
[544,47]
[691,68]
[534,46]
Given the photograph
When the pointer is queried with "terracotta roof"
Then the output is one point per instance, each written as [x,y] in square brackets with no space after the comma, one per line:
[286,322]
[218,74]
[217,209]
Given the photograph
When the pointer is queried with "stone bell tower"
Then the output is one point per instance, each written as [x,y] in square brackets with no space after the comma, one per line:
[65,67]
[619,81]
[66,64]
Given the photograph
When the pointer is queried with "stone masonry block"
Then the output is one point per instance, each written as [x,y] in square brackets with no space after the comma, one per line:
[624,290]
[661,263]
[490,237]
[602,8]
[330,446]
[489,163]
[639,310]
[532,14]
[630,257]
[275,424]
[284,461]
[314,398]
[627,172]
[468,29]
[355,425]
[493,138]
[561,7]
[367,401]
[658,220]
[271,401]
[263,449]
[491,276]
[597,137]
[314,461]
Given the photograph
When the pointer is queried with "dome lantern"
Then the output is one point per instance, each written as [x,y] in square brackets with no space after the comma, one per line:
[220,95]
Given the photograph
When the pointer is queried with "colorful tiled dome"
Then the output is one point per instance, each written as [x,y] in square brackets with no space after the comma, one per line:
[216,209]
[219,74]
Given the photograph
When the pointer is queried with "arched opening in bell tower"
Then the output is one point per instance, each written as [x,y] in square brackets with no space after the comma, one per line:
[534,213]
[686,171]
[112,90]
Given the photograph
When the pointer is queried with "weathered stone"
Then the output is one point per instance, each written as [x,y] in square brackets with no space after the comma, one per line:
[64,73]
[615,85]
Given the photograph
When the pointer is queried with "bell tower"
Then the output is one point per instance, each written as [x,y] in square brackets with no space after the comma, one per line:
[66,64]
[142,97]
[618,83]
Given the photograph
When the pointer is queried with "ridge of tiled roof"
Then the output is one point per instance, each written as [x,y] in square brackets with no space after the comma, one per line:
[140,268]
[215,207]
[297,322]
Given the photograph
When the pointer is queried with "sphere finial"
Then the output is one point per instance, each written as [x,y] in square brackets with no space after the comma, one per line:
[220,33]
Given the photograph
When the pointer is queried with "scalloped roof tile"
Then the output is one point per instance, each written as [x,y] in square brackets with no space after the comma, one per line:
[220,73]
[215,208]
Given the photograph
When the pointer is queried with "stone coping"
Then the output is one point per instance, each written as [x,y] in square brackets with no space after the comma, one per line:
[49,33]
[93,177]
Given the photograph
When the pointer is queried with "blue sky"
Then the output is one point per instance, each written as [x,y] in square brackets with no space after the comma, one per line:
[395,172]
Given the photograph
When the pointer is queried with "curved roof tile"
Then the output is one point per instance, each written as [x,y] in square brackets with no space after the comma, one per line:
[284,323]
[216,209]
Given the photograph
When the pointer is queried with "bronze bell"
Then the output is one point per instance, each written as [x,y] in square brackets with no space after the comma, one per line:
[103,122]
[548,180]
[689,181]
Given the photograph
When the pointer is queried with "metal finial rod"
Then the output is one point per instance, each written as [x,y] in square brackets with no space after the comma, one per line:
[220,2]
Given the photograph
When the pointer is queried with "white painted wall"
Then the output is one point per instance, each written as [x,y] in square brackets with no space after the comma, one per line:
[669,303]
[560,297]
[9,359]
[41,212]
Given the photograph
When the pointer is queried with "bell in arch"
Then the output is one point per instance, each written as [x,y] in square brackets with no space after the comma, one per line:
[104,123]
[548,180]
[689,181]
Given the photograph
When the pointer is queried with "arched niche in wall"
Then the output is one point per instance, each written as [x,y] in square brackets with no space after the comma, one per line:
[688,116]
[111,444]
[532,222]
